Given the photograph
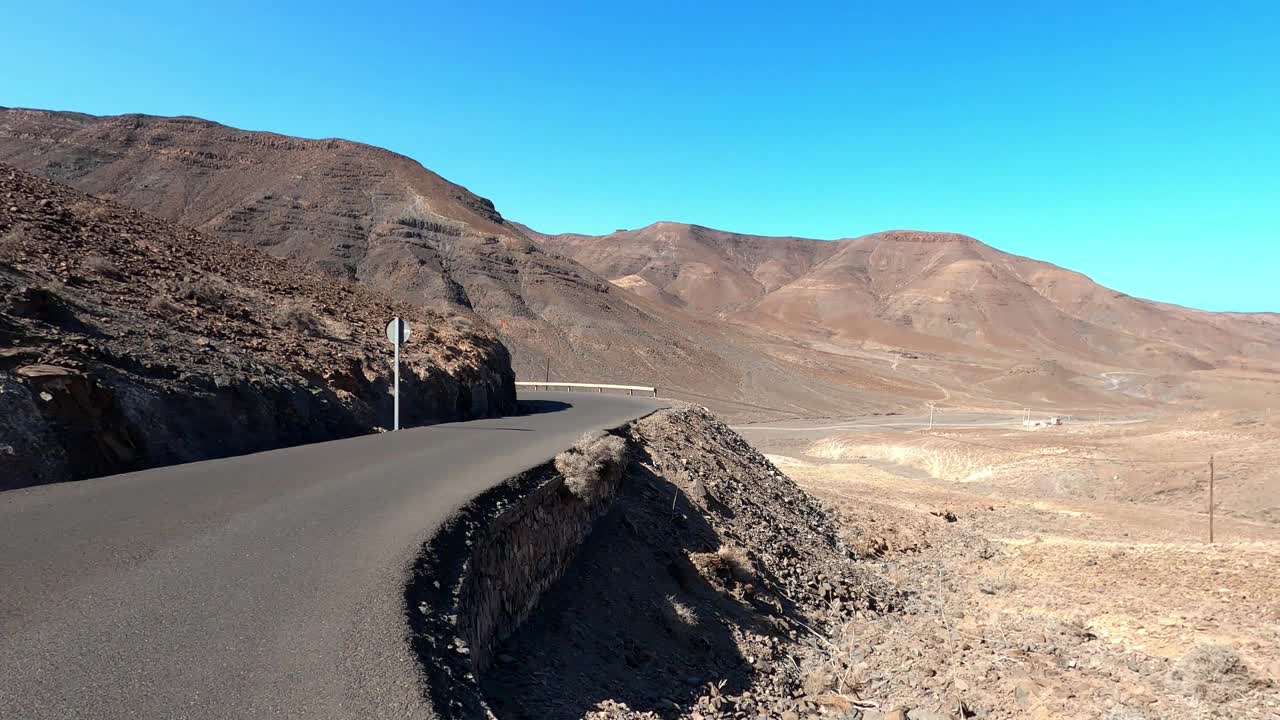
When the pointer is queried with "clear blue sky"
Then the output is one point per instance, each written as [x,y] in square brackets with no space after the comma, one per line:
[1136,142]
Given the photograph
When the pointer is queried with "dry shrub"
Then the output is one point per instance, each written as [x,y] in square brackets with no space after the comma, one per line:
[298,317]
[592,467]
[1211,671]
[10,243]
[737,562]
[680,619]
[162,305]
[101,265]
[205,291]
[869,546]
[819,680]
[994,584]
[730,564]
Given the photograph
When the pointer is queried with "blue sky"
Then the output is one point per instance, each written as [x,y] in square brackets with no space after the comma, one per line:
[1136,142]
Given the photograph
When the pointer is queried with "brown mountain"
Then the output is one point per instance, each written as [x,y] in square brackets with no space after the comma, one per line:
[801,326]
[381,219]
[707,270]
[939,295]
[128,342]
[894,285]
[356,212]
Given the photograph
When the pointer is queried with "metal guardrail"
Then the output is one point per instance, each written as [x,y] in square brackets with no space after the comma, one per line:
[599,387]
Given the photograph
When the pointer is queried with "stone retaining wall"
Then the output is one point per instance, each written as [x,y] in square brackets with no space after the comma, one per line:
[482,575]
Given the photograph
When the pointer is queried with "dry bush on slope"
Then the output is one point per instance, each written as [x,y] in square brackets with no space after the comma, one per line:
[101,265]
[207,292]
[727,567]
[679,618]
[592,467]
[298,317]
[1211,671]
[162,305]
[738,563]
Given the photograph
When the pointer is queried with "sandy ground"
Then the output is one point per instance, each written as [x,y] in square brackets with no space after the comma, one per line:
[1041,589]
[1155,460]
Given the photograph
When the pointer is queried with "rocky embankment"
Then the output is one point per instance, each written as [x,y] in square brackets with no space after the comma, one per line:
[693,579]
[127,342]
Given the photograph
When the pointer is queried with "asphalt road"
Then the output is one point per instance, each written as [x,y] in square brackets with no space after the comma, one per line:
[261,586]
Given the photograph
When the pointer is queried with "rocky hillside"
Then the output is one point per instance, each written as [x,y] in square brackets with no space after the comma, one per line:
[707,270]
[363,213]
[953,319]
[359,213]
[886,322]
[913,290]
[128,342]
[677,573]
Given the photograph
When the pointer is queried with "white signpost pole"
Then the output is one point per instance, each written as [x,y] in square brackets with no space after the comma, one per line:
[397,333]
[396,420]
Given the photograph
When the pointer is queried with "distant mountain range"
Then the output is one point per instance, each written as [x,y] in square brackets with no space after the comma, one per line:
[745,324]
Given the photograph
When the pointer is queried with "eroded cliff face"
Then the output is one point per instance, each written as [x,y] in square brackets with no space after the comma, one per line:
[127,342]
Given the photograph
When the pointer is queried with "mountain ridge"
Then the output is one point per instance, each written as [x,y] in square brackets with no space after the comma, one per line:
[381,219]
[797,324]
[606,255]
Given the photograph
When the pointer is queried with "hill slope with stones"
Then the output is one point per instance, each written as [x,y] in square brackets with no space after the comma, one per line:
[885,322]
[364,214]
[127,342]
[914,290]
[381,219]
[974,323]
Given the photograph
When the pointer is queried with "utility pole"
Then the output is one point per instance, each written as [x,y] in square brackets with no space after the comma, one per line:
[931,405]
[548,369]
[1210,499]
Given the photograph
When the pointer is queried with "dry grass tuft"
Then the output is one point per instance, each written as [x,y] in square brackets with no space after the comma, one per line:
[299,318]
[101,265]
[206,291]
[728,566]
[592,467]
[10,242]
[995,584]
[1211,671]
[162,305]
[737,562]
[680,619]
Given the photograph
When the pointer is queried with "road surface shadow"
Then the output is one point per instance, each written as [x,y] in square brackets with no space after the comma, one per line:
[538,407]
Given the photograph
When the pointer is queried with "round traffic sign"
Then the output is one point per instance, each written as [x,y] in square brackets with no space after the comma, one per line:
[398,331]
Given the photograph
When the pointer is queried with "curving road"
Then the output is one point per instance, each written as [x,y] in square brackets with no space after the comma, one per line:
[261,586]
